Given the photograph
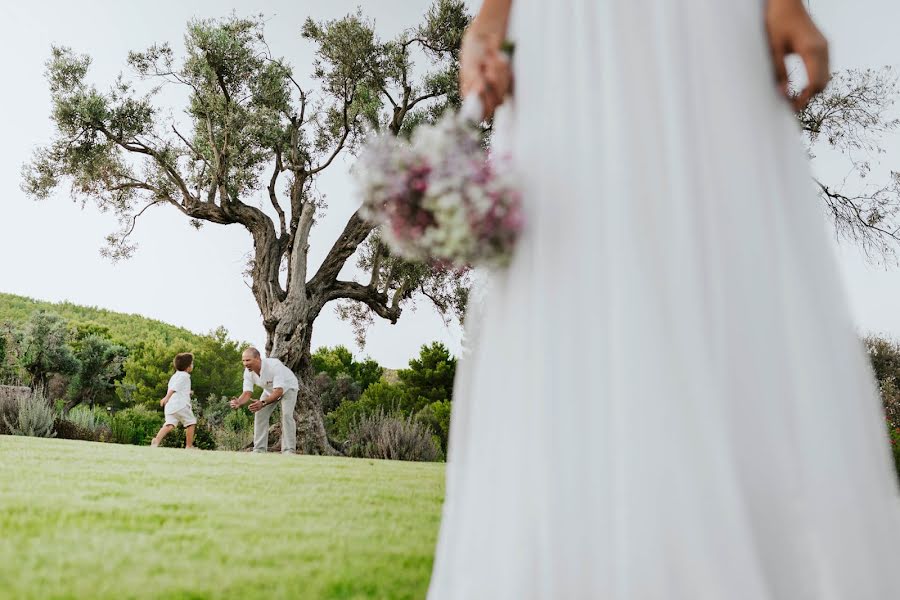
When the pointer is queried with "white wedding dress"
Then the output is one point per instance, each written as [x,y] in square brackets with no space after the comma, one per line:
[665,397]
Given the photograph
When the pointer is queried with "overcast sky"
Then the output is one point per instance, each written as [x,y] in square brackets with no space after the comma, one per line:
[193,279]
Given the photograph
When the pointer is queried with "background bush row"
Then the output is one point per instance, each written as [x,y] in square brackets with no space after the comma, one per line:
[98,376]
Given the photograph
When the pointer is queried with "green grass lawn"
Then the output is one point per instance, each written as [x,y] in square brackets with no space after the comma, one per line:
[90,520]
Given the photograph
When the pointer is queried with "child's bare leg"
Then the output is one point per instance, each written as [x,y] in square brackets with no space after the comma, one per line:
[189,436]
[163,432]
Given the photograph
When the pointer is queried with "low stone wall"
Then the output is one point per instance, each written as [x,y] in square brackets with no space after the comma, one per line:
[10,392]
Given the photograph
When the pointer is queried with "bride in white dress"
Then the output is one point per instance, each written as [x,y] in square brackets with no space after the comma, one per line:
[666,398]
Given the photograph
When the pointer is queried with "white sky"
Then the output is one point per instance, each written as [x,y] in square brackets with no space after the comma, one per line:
[193,279]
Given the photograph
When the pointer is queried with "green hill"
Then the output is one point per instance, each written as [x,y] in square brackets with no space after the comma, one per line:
[127,329]
[152,345]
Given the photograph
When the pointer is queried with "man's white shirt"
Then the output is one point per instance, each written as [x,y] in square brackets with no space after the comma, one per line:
[272,374]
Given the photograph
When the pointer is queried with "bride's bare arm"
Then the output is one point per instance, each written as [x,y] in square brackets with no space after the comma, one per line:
[484,69]
[493,17]
[791,30]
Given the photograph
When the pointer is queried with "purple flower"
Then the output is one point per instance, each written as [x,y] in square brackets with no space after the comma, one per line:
[458,192]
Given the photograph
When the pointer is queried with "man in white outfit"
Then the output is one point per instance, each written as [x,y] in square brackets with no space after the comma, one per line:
[279,384]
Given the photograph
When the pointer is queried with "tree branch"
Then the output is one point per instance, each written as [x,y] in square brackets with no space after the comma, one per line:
[377,301]
[217,167]
[140,148]
[425,44]
[423,97]
[222,86]
[400,294]
[300,249]
[253,219]
[853,207]
[135,218]
[189,145]
[441,306]
[340,144]
[273,196]
[376,265]
[355,233]
[389,97]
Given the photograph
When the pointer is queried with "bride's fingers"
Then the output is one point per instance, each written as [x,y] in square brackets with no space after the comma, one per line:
[499,83]
[496,82]
[485,94]
[479,87]
[497,72]
[815,60]
[780,68]
[472,78]
[489,99]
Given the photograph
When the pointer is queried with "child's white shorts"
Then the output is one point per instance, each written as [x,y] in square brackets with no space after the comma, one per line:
[185,416]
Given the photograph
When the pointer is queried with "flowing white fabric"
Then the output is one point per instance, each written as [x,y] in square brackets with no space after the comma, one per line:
[665,398]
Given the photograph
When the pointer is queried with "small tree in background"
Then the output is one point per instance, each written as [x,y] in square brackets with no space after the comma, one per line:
[45,349]
[9,349]
[436,417]
[339,360]
[332,392]
[101,364]
[217,370]
[429,377]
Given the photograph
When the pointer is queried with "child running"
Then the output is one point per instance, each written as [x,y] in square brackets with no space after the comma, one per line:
[177,402]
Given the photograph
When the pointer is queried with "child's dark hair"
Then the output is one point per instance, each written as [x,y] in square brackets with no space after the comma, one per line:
[183,361]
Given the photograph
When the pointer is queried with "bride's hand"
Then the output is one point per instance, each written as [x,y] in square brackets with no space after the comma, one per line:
[791,30]
[484,70]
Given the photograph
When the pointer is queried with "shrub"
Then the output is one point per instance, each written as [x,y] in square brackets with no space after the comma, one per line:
[34,417]
[67,430]
[338,361]
[203,437]
[235,440]
[436,416]
[136,425]
[214,410]
[104,434]
[340,421]
[121,431]
[238,420]
[84,423]
[89,418]
[381,435]
[331,391]
[385,397]
[9,413]
[895,447]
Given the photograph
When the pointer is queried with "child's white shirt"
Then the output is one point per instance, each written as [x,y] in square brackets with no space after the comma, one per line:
[181,383]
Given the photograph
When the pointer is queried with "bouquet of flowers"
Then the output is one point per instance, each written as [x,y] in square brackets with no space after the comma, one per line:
[441,196]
